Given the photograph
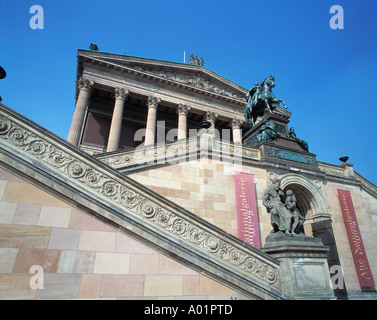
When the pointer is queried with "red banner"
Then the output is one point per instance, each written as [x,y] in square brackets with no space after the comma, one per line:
[247,214]
[360,258]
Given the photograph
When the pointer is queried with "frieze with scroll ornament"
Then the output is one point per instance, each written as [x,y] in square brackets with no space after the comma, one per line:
[166,154]
[195,81]
[289,155]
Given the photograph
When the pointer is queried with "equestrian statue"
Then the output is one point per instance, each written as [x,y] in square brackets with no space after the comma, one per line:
[259,98]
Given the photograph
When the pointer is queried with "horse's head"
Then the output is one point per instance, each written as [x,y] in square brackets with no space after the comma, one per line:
[269,82]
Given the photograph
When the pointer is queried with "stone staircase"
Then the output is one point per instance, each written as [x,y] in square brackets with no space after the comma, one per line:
[97,187]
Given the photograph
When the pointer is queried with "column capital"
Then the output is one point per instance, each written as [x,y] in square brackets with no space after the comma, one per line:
[183,109]
[153,102]
[85,84]
[211,116]
[236,123]
[121,93]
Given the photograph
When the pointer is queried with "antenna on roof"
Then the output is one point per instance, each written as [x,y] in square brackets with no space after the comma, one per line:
[184,56]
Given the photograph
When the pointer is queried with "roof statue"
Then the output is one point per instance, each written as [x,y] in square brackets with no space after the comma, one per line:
[196,61]
[93,47]
[259,98]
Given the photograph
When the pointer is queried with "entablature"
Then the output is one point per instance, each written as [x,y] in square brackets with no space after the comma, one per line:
[192,78]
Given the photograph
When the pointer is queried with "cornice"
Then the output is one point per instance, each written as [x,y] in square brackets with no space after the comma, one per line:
[341,175]
[139,158]
[136,159]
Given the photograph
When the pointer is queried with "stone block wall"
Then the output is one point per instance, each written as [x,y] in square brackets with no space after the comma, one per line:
[82,257]
[207,189]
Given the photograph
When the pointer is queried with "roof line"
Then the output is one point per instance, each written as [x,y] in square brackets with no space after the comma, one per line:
[127,55]
[160,60]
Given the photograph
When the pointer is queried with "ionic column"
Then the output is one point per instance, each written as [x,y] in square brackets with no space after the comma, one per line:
[237,132]
[116,121]
[85,87]
[151,120]
[182,111]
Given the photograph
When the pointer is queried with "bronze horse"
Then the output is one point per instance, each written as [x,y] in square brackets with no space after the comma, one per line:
[259,98]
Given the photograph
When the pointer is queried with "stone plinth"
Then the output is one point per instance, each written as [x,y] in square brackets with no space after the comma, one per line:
[281,126]
[303,266]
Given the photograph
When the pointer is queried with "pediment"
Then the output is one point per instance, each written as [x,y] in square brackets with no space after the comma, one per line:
[193,76]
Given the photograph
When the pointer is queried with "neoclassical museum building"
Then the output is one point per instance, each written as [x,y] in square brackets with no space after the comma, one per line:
[162,190]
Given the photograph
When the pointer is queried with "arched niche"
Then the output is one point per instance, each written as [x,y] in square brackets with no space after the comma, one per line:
[310,200]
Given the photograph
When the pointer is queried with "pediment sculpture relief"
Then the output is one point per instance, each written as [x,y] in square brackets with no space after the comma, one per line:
[194,80]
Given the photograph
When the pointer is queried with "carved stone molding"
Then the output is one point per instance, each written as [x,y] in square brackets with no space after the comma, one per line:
[187,150]
[311,189]
[183,109]
[236,123]
[133,200]
[338,173]
[121,93]
[332,170]
[85,84]
[193,80]
[153,102]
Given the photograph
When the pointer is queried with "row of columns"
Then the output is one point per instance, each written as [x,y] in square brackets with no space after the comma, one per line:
[85,86]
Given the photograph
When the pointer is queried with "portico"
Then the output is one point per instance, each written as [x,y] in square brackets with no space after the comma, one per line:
[116,99]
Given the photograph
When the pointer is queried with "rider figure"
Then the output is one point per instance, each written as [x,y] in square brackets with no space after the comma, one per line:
[256,93]
[259,98]
[254,98]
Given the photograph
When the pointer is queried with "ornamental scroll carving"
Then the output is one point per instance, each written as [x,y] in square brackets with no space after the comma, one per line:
[85,84]
[121,93]
[183,109]
[194,81]
[120,194]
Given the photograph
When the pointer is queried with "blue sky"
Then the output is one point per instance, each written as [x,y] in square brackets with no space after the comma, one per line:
[326,77]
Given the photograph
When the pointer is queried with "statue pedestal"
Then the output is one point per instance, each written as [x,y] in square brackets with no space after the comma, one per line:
[303,266]
[250,138]
[282,149]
